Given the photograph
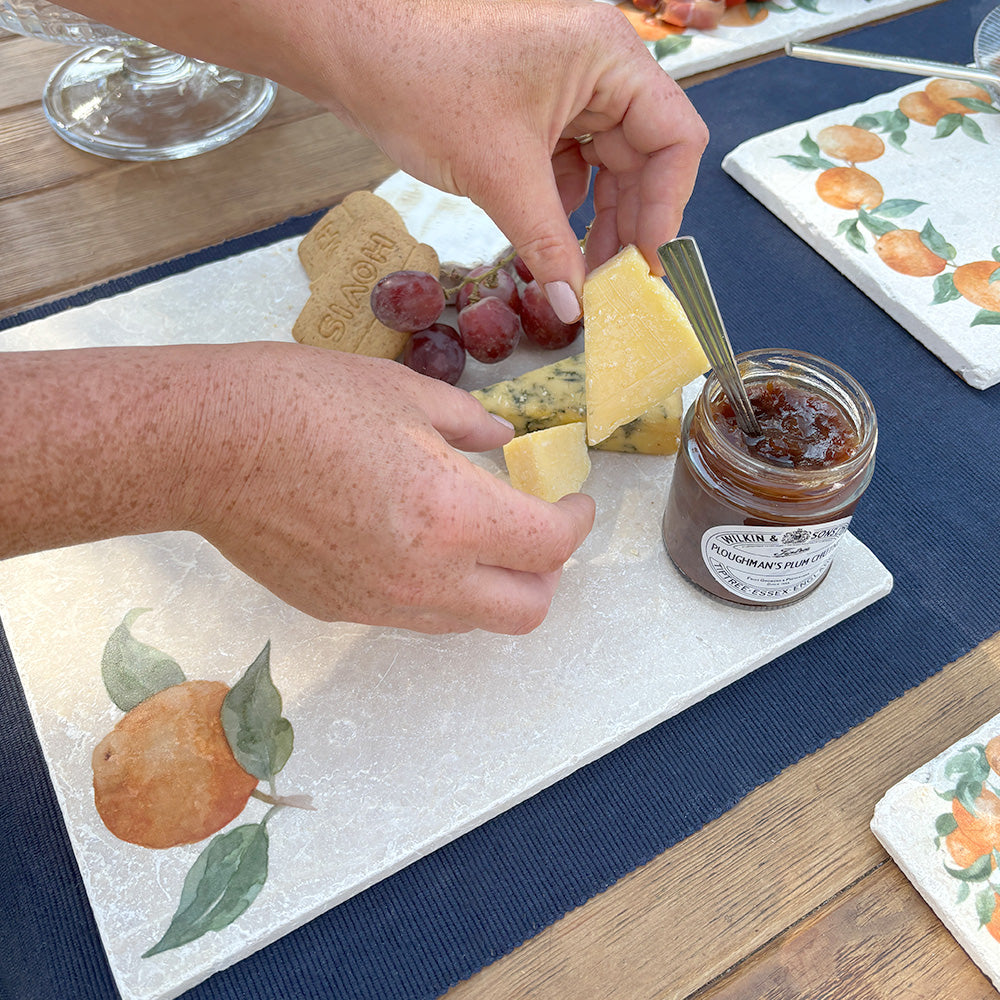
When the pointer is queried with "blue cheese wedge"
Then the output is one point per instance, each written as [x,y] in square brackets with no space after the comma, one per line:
[556,395]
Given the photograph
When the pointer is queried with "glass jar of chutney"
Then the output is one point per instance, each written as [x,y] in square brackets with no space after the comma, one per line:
[756,520]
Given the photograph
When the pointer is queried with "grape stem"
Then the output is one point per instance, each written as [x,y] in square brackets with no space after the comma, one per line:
[487,278]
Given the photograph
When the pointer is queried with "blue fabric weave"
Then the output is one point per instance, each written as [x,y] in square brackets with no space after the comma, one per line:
[931,515]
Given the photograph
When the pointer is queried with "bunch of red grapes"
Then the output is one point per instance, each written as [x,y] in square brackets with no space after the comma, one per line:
[494,305]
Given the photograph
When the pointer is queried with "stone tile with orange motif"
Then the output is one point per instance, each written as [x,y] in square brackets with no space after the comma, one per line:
[746,32]
[863,186]
[941,825]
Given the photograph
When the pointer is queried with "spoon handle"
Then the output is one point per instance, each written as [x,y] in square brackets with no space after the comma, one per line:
[685,268]
[896,64]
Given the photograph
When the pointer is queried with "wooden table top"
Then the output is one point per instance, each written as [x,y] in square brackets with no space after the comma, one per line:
[810,905]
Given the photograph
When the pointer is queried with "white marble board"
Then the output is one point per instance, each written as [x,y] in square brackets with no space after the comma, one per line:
[403,741]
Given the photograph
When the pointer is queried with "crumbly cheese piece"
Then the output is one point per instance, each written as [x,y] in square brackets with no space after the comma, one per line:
[640,346]
[555,394]
[549,463]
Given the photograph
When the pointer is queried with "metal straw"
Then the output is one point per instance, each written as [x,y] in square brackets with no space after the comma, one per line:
[685,268]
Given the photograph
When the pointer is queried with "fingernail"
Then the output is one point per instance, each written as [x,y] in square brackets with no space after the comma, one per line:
[502,420]
[563,301]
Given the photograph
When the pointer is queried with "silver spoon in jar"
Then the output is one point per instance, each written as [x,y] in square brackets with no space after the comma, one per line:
[682,261]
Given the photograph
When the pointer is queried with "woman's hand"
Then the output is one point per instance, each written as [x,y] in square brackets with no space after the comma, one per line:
[334,480]
[480,99]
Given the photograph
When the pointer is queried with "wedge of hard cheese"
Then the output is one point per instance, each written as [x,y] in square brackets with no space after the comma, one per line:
[554,395]
[640,346]
[549,463]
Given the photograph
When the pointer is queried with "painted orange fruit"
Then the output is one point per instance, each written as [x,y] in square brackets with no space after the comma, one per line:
[982,826]
[165,775]
[647,27]
[973,283]
[904,251]
[918,107]
[943,94]
[848,142]
[848,187]
[965,851]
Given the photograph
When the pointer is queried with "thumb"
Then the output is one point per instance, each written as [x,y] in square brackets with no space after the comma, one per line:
[523,200]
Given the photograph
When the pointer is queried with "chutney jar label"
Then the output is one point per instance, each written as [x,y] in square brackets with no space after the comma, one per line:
[770,564]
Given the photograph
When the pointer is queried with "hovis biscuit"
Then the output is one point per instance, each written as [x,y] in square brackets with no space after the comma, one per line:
[345,254]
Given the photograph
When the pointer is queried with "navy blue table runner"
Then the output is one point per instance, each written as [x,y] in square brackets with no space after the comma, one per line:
[931,515]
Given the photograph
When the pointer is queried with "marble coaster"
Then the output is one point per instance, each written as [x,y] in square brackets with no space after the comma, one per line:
[941,825]
[685,52]
[400,742]
[900,194]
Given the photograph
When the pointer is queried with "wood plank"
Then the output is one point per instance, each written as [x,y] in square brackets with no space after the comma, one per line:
[127,216]
[35,158]
[27,63]
[878,939]
[688,916]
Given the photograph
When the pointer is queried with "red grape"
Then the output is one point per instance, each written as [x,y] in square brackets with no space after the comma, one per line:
[541,325]
[437,351]
[522,269]
[407,301]
[498,284]
[490,329]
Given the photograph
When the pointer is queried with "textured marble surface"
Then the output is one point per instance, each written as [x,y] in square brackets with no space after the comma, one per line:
[403,741]
[692,51]
[941,825]
[936,183]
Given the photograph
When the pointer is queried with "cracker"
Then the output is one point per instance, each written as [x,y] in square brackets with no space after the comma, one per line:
[358,251]
[318,248]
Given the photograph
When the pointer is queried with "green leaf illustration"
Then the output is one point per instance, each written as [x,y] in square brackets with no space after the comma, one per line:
[969,762]
[224,880]
[968,790]
[874,224]
[811,158]
[978,871]
[884,121]
[896,208]
[897,138]
[944,289]
[986,318]
[985,904]
[945,824]
[806,162]
[974,104]
[131,670]
[972,129]
[849,229]
[947,124]
[935,242]
[811,5]
[995,254]
[261,739]
[670,45]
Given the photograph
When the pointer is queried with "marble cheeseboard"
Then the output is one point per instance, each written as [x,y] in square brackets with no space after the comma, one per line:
[401,741]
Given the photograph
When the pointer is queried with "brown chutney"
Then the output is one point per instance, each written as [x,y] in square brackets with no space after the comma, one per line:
[756,521]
